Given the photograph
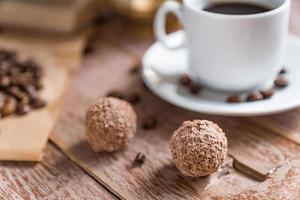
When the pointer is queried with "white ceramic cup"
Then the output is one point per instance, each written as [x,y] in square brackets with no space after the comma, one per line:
[229,52]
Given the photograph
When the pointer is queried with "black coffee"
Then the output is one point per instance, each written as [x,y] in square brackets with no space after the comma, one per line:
[235,8]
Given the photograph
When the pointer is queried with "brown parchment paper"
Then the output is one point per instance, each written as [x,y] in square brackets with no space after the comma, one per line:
[22,138]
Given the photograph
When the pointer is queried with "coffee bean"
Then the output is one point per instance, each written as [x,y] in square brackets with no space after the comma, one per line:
[4,81]
[25,100]
[2,100]
[38,84]
[195,89]
[149,123]
[234,99]
[31,91]
[135,69]
[105,16]
[281,82]
[185,80]
[5,67]
[267,93]
[140,159]
[283,70]
[22,109]
[115,94]
[38,103]
[89,49]
[38,73]
[9,106]
[7,55]
[17,93]
[134,98]
[255,96]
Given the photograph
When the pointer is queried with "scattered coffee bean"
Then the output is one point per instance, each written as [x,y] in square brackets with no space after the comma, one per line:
[149,123]
[283,71]
[7,55]
[38,103]
[115,94]
[267,93]
[255,97]
[281,82]
[22,109]
[234,99]
[9,107]
[185,80]
[88,49]
[38,85]
[135,69]
[195,89]
[4,81]
[2,101]
[31,91]
[16,92]
[134,98]
[105,16]
[139,159]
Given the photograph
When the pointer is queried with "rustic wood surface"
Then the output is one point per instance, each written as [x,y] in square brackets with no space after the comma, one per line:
[263,161]
[55,177]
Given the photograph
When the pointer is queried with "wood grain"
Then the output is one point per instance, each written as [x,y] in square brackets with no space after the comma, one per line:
[55,177]
[286,124]
[256,147]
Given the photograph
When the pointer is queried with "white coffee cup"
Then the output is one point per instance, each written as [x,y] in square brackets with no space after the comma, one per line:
[229,52]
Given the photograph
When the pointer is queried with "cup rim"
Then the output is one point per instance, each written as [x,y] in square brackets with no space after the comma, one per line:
[220,15]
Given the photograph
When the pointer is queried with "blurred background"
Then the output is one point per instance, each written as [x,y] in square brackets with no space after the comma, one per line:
[69,16]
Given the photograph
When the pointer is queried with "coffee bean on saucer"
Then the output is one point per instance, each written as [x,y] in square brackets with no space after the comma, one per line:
[283,70]
[256,96]
[281,82]
[185,80]
[139,159]
[234,99]
[195,89]
[149,123]
[267,93]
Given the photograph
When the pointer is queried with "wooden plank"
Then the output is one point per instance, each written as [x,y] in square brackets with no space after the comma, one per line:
[270,163]
[286,124]
[256,147]
[55,177]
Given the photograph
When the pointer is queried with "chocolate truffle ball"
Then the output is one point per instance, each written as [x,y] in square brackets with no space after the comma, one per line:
[110,124]
[198,148]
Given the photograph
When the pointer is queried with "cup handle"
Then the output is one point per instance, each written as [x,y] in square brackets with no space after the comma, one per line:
[160,23]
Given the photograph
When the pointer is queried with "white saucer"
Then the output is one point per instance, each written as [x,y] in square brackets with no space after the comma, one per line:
[162,69]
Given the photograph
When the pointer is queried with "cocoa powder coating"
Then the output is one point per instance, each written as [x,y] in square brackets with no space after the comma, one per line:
[198,148]
[110,124]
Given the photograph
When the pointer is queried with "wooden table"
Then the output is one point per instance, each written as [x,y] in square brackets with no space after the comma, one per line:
[60,177]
